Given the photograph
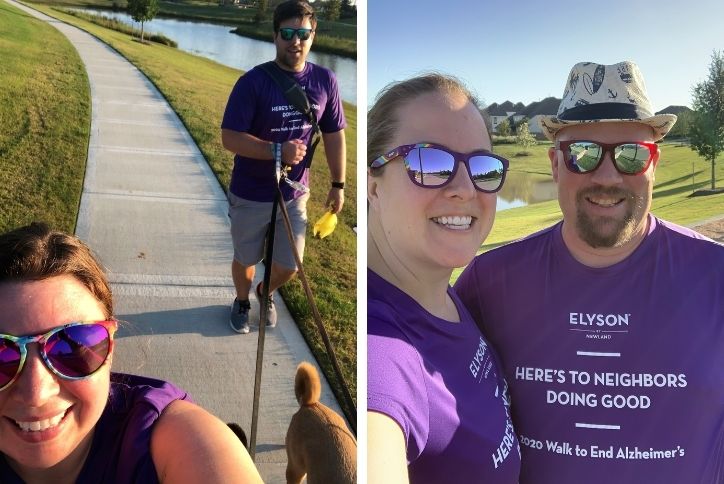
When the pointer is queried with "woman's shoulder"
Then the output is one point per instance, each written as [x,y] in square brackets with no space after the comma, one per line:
[129,392]
[187,434]
[122,437]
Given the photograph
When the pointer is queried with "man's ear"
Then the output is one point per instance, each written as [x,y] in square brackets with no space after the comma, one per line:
[657,155]
[553,156]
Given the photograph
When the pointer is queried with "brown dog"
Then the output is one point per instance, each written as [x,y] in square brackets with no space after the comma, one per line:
[318,441]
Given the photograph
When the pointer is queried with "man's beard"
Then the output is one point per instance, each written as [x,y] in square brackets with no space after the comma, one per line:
[290,62]
[609,232]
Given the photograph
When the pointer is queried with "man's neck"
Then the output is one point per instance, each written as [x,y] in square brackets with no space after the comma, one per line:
[597,257]
[296,69]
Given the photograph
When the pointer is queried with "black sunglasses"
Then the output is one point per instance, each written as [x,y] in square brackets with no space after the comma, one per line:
[287,33]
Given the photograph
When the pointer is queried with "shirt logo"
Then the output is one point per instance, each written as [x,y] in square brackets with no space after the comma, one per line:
[595,319]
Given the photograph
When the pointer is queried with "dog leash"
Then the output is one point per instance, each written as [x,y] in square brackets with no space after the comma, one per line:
[281,175]
[269,252]
[318,320]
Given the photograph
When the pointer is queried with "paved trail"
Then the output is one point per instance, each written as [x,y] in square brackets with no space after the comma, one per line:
[156,216]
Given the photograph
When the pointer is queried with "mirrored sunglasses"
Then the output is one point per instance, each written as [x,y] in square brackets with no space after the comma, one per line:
[433,166]
[287,33]
[629,158]
[73,351]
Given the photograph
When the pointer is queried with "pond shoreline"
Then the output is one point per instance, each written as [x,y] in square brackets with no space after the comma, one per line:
[237,29]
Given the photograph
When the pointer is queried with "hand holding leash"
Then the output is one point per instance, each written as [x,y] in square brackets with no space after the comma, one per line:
[293,151]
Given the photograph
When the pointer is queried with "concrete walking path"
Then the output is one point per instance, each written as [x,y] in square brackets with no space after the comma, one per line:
[712,228]
[155,214]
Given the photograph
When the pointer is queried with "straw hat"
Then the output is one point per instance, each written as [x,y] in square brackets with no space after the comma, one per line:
[597,93]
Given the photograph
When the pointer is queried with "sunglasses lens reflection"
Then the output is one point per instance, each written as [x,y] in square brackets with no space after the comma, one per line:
[288,33]
[430,167]
[584,156]
[78,351]
[632,157]
[9,361]
[487,172]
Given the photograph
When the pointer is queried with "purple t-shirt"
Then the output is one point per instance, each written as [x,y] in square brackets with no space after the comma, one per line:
[441,383]
[257,106]
[616,373]
[121,448]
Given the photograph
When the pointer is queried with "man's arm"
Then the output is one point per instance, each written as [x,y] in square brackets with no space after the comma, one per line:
[336,150]
[245,144]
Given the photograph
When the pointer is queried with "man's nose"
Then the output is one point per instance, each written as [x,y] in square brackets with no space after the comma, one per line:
[606,173]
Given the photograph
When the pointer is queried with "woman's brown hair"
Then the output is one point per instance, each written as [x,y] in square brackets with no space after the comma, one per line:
[36,252]
[382,122]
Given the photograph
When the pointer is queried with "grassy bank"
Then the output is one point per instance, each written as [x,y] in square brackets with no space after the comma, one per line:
[333,37]
[671,194]
[113,24]
[197,89]
[45,119]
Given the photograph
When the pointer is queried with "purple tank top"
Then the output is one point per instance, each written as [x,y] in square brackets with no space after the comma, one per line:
[121,449]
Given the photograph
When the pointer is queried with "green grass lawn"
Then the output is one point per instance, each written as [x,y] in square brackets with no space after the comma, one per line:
[338,37]
[198,89]
[45,119]
[671,195]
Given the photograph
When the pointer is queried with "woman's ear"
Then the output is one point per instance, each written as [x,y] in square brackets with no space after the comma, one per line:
[372,190]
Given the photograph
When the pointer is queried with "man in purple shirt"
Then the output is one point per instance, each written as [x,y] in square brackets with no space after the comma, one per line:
[259,126]
[610,324]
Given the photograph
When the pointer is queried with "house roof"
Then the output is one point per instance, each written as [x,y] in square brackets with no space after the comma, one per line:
[547,106]
[674,110]
[503,109]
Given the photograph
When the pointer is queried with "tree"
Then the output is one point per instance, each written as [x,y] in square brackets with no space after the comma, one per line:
[348,10]
[332,10]
[504,128]
[142,11]
[261,12]
[524,138]
[707,128]
[683,125]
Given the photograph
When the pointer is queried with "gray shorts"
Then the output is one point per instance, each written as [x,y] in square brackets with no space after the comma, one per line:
[249,224]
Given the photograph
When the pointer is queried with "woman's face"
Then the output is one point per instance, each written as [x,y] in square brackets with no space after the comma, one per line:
[35,307]
[412,218]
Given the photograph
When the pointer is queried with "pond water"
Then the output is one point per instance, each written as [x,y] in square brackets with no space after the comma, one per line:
[216,42]
[522,189]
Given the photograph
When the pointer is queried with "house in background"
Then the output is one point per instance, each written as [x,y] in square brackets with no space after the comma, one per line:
[515,113]
[546,107]
[507,110]
[674,110]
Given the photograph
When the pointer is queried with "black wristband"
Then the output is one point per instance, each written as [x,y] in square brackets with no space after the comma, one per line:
[338,185]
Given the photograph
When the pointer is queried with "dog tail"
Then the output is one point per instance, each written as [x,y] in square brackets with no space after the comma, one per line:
[307,386]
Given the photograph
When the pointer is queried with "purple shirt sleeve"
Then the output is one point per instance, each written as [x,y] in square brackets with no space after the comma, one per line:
[395,384]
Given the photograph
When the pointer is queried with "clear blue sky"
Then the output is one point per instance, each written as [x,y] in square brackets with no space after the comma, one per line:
[523,50]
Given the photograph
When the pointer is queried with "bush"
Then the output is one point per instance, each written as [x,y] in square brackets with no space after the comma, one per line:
[117,25]
[503,140]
